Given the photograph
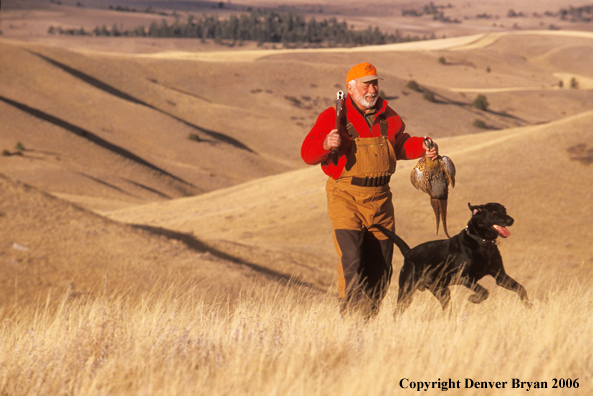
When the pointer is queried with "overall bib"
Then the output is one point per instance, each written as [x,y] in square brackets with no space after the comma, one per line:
[358,199]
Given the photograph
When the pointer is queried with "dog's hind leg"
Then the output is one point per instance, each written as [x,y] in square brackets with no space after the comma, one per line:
[407,287]
[404,299]
[443,294]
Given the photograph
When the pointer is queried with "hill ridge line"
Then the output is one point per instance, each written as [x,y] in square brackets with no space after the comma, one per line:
[510,133]
[222,192]
[83,133]
[490,38]
[471,41]
[122,95]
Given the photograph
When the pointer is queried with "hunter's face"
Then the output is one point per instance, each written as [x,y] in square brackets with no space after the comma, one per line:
[365,94]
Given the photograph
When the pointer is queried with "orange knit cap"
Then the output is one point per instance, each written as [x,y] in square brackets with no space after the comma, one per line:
[363,72]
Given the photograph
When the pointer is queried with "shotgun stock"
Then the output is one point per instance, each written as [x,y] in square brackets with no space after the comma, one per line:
[339,107]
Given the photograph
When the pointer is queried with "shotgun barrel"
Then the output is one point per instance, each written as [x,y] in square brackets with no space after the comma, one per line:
[339,108]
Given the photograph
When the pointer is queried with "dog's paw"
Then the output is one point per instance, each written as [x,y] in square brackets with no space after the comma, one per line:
[527,304]
[477,298]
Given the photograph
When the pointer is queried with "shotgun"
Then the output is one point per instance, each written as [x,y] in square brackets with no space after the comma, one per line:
[339,107]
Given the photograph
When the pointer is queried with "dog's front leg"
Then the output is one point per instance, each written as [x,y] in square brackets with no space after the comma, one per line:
[503,280]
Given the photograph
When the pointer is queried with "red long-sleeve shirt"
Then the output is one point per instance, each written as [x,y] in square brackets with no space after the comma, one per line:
[313,153]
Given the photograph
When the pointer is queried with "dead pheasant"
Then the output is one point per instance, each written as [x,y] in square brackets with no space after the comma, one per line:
[433,176]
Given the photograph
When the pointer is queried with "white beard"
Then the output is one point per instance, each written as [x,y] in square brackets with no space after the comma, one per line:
[362,100]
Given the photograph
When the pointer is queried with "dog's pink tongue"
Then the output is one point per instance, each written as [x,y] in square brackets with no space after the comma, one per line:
[502,231]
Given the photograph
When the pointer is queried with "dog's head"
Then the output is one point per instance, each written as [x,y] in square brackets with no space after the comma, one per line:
[490,220]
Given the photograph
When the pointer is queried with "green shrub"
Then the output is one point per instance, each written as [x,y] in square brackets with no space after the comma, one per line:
[480,124]
[442,60]
[574,83]
[480,102]
[413,85]
[429,95]
[194,137]
[295,101]
[19,146]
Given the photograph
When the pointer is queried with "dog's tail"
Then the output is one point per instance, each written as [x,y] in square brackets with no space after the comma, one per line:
[403,246]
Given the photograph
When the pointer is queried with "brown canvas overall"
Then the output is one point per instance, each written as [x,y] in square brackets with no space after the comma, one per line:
[358,199]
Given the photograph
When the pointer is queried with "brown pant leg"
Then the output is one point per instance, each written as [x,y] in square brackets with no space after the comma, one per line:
[376,268]
[364,271]
[349,245]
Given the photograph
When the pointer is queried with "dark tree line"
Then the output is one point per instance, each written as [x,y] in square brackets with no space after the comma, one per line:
[263,27]
[437,12]
[575,14]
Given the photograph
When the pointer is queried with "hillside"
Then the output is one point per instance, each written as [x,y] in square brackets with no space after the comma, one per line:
[276,228]
[50,245]
[109,130]
[534,171]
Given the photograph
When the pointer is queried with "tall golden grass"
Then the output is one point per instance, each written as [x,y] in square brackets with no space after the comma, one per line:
[284,340]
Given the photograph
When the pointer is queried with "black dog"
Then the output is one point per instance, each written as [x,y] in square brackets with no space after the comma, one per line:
[463,259]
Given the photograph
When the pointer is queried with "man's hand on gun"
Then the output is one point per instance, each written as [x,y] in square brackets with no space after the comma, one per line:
[332,140]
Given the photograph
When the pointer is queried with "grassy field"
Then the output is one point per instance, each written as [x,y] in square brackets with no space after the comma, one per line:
[286,341]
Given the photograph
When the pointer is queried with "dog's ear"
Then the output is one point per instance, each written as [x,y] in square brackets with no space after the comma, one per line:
[474,209]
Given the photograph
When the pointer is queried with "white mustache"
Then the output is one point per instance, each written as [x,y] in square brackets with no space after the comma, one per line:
[367,100]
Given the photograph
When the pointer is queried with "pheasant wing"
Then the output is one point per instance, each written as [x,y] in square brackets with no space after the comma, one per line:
[419,179]
[449,168]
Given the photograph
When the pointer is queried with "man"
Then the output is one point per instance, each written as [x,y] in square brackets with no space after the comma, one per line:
[369,141]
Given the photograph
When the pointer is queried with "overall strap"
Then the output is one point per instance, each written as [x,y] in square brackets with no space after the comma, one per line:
[384,127]
[351,130]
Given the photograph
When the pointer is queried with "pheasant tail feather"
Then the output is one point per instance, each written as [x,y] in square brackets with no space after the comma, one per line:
[440,212]
[437,209]
[443,211]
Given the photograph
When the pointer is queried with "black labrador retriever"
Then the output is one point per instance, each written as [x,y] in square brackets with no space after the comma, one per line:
[463,259]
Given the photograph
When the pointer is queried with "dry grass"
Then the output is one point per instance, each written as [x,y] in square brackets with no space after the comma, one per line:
[284,341]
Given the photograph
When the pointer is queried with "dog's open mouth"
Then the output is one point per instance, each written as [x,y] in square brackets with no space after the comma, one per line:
[501,230]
